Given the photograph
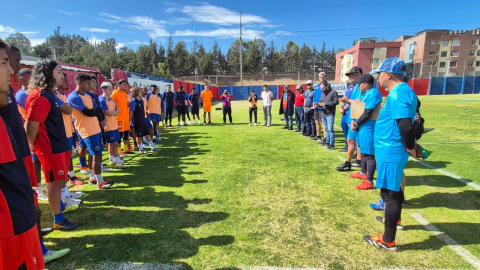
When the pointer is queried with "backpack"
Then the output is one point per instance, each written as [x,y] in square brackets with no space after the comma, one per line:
[418,122]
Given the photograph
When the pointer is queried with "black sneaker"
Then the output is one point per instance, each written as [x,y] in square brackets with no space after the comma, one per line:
[330,147]
[296,130]
[344,167]
[357,163]
[224,123]
[312,136]
[323,143]
[315,138]
[210,123]
[344,150]
[290,128]
[307,134]
[65,225]
[46,231]
[285,127]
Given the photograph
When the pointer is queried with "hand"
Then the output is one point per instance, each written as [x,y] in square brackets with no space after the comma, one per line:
[104,123]
[343,99]
[341,110]
[413,154]
[32,149]
[354,126]
[321,104]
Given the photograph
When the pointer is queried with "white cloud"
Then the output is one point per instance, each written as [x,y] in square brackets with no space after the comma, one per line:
[30,32]
[114,17]
[222,33]
[93,40]
[270,25]
[6,30]
[36,42]
[68,13]
[155,28]
[28,15]
[95,30]
[171,10]
[283,33]
[218,15]
[106,20]
[121,44]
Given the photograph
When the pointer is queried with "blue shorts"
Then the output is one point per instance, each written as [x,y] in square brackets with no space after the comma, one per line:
[148,124]
[70,142]
[365,141]
[94,144]
[81,143]
[155,118]
[389,175]
[112,136]
[352,135]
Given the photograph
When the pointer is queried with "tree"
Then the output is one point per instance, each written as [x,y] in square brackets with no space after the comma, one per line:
[170,60]
[206,65]
[233,56]
[21,42]
[253,57]
[181,56]
[42,50]
[305,58]
[291,57]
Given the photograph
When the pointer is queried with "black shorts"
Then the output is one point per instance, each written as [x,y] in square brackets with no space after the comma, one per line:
[318,115]
[181,109]
[141,131]
[195,110]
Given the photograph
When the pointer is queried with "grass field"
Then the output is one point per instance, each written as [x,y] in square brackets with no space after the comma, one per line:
[241,197]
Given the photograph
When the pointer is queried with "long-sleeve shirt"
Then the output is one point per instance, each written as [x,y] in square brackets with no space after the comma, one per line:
[226,100]
[330,99]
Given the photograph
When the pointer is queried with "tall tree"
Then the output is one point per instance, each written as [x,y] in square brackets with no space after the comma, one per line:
[21,42]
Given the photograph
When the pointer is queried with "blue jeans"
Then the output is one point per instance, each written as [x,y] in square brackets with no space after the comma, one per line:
[309,122]
[345,128]
[328,123]
[299,120]
[288,120]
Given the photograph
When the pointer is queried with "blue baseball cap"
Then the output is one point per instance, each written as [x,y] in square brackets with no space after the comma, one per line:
[286,86]
[391,65]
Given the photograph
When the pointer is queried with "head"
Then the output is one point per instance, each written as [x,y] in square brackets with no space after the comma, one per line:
[194,91]
[64,86]
[324,86]
[355,73]
[47,74]
[322,76]
[265,88]
[390,72]
[225,93]
[122,85]
[136,92]
[144,90]
[299,88]
[93,85]
[169,88]
[24,76]
[83,82]
[154,89]
[252,93]
[365,82]
[286,88]
[6,72]
[310,84]
[181,88]
[207,87]
[107,89]
[14,56]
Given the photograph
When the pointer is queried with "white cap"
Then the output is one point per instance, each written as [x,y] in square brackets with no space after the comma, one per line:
[299,86]
[309,82]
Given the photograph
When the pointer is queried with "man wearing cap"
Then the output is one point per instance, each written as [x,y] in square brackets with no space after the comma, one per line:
[308,111]
[299,102]
[351,94]
[365,128]
[394,142]
[286,107]
[318,109]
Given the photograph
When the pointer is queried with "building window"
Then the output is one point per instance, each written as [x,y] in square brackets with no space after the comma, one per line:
[477,73]
[441,74]
[444,43]
[354,52]
[433,53]
[435,42]
[454,53]
[451,74]
[456,42]
[478,53]
[472,52]
[376,51]
[470,73]
[410,56]
[432,74]
[376,60]
[470,63]
[453,64]
[442,64]
[348,65]
[474,42]
[477,64]
[432,63]
[443,54]
[353,62]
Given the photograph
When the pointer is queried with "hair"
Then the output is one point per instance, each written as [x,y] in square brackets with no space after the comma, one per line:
[23,72]
[64,74]
[81,77]
[168,85]
[265,85]
[14,48]
[181,87]
[120,81]
[42,75]
[4,45]
[193,88]
[135,91]
[322,73]
[105,85]
[93,77]
[325,83]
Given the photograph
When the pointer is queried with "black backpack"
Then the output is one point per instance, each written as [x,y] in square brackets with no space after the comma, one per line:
[418,122]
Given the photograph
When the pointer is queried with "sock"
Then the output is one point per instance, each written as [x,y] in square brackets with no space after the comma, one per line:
[83,162]
[140,147]
[151,145]
[111,158]
[92,175]
[44,248]
[63,194]
[101,166]
[99,178]
[57,218]
[71,173]
[39,190]
[118,159]
[67,192]
[62,206]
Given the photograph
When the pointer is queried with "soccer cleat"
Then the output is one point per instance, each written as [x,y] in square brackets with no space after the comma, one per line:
[120,166]
[250,124]
[359,175]
[105,185]
[344,167]
[74,195]
[130,148]
[377,241]
[75,181]
[128,151]
[382,220]
[70,208]
[357,163]
[84,170]
[330,148]
[46,231]
[92,181]
[378,205]
[344,150]
[135,147]
[365,185]
[255,124]
[42,197]
[53,255]
[65,225]
[143,151]
[69,202]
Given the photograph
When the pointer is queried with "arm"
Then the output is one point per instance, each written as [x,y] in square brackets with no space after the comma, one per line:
[364,117]
[66,109]
[334,100]
[31,128]
[407,131]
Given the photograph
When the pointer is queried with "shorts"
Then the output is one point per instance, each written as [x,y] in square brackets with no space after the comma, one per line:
[142,131]
[70,142]
[55,166]
[148,124]
[123,124]
[352,135]
[23,248]
[112,136]
[207,107]
[155,118]
[389,175]
[30,170]
[365,141]
[94,144]
[195,110]
[317,115]
[181,109]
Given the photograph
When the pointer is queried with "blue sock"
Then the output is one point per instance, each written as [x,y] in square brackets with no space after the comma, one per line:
[57,218]
[44,248]
[62,206]
[83,162]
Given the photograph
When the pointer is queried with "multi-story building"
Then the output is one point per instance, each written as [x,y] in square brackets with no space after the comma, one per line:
[366,53]
[440,53]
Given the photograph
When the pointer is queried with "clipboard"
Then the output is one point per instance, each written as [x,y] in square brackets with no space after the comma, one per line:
[358,107]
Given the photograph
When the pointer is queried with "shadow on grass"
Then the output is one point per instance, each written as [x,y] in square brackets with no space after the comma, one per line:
[417,165]
[465,200]
[434,181]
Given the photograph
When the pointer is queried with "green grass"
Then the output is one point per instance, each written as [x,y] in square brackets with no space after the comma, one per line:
[235,196]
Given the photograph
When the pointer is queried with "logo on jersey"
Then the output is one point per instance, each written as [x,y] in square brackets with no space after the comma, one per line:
[61,172]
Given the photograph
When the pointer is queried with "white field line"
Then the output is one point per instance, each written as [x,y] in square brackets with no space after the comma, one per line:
[450,143]
[139,266]
[452,244]
[342,159]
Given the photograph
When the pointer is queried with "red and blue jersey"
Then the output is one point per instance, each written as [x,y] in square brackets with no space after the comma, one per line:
[17,213]
[226,100]
[14,121]
[43,106]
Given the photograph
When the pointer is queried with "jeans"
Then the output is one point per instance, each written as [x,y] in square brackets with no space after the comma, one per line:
[345,128]
[267,113]
[254,111]
[299,120]
[328,123]
[288,120]
[309,122]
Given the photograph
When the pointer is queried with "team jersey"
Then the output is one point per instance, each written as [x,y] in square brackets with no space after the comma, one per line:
[206,96]
[168,99]
[122,101]
[85,125]
[371,99]
[154,103]
[109,105]
[13,120]
[43,106]
[21,98]
[400,103]
[145,106]
[67,119]
[193,99]
[226,100]
[138,109]
[17,213]
[180,97]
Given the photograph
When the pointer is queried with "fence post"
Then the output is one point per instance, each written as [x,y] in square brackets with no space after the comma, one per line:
[444,85]
[463,84]
[429,85]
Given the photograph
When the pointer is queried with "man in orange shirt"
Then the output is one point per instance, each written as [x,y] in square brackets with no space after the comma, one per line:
[206,97]
[121,99]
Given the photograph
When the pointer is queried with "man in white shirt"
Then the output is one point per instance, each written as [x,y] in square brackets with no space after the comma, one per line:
[267,97]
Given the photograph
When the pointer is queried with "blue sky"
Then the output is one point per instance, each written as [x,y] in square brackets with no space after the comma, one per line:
[337,23]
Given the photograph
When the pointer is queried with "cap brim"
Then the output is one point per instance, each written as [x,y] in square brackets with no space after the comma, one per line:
[350,73]
[375,71]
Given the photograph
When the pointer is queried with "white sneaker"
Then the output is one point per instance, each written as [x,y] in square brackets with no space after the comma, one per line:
[107,170]
[120,166]
[255,124]
[113,162]
[53,255]
[250,124]
[204,124]
[142,151]
[75,195]
[71,202]
[42,197]
[84,171]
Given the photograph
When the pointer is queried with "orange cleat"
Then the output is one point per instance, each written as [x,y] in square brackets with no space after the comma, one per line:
[359,176]
[365,185]
[377,241]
